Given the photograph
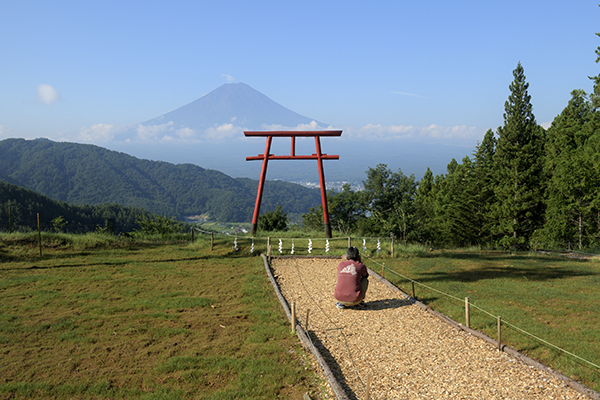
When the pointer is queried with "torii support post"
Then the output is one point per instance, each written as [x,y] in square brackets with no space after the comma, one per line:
[266,156]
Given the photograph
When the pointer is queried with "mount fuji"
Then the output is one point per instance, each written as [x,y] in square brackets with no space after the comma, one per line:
[208,132]
[232,103]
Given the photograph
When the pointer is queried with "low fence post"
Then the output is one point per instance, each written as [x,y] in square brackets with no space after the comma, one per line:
[413,290]
[392,245]
[349,242]
[383,270]
[39,233]
[499,334]
[467,313]
[306,323]
[192,229]
[368,391]
[212,240]
[293,317]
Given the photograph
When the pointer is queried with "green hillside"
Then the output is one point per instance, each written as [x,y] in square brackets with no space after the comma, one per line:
[90,175]
[25,204]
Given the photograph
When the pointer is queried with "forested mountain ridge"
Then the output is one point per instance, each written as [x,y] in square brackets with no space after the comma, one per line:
[19,209]
[87,174]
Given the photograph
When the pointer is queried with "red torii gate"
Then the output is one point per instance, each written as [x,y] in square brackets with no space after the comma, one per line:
[265,157]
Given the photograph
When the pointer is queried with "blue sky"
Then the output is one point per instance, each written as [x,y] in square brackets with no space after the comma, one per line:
[439,70]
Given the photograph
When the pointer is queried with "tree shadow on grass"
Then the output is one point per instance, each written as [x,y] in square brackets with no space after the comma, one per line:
[537,273]
[496,256]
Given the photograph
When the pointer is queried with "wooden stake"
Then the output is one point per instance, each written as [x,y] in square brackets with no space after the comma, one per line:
[306,323]
[39,234]
[293,317]
[349,242]
[392,246]
[212,240]
[383,270]
[367,395]
[192,229]
[499,334]
[467,313]
[413,288]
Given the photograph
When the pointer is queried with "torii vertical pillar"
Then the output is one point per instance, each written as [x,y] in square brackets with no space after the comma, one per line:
[317,156]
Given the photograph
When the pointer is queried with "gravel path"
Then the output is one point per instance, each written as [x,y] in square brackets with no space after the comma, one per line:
[408,353]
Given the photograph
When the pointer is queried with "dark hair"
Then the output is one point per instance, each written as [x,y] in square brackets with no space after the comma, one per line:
[352,254]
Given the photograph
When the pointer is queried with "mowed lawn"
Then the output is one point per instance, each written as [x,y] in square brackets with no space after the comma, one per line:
[145,321]
[554,298]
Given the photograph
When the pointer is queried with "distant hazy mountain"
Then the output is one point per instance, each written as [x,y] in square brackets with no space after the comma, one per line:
[243,107]
[89,175]
[232,103]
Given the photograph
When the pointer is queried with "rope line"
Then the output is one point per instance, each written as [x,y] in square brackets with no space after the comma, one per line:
[550,344]
[508,324]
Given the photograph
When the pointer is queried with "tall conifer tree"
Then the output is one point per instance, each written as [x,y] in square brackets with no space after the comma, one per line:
[518,166]
[481,182]
[572,183]
[424,224]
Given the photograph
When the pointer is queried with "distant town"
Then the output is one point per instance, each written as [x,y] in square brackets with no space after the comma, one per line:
[333,185]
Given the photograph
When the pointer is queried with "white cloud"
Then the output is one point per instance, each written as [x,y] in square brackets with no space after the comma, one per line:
[100,133]
[312,126]
[185,133]
[224,131]
[5,132]
[410,95]
[451,134]
[228,77]
[47,94]
[153,131]
[546,125]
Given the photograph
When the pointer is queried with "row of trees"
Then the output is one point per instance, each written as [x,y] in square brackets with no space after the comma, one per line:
[522,184]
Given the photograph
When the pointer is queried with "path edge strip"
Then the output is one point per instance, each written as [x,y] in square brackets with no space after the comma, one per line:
[339,392]
[510,351]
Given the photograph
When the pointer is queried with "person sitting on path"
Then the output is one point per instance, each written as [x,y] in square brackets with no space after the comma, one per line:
[352,280]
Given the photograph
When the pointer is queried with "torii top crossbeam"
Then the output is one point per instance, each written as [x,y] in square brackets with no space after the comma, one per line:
[266,156]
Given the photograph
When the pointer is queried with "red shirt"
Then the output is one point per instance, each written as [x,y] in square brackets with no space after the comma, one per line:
[349,276]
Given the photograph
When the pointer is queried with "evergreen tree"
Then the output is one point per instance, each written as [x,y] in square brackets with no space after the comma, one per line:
[389,198]
[572,183]
[481,182]
[460,205]
[517,168]
[424,219]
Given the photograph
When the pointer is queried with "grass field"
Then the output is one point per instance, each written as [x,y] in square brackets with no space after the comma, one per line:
[113,319]
[102,317]
[554,298]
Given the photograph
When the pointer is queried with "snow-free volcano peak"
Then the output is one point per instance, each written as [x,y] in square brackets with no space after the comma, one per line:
[232,103]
